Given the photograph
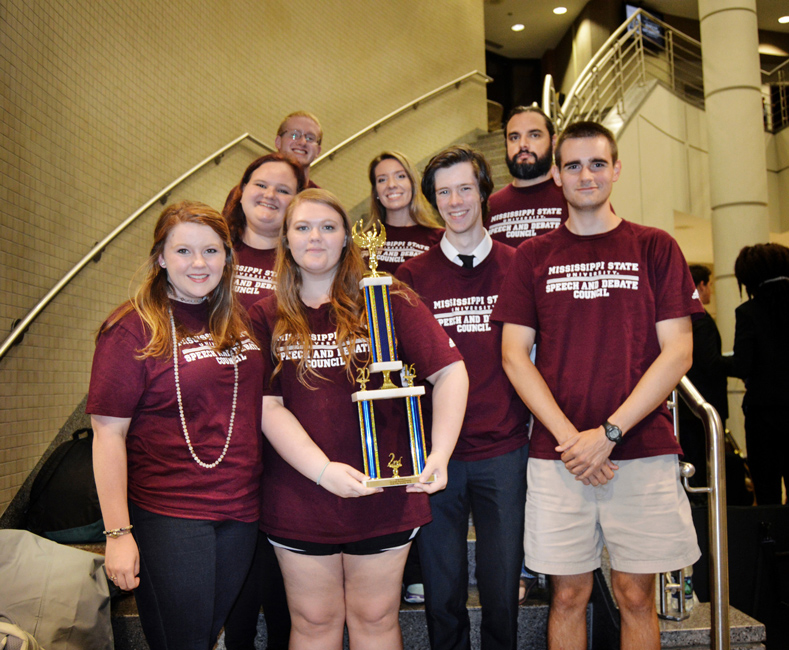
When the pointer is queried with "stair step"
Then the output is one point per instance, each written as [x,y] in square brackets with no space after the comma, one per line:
[694,632]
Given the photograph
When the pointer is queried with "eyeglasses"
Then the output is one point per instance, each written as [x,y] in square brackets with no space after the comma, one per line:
[309,138]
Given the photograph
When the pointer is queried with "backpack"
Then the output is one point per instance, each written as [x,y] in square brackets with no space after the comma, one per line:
[64,504]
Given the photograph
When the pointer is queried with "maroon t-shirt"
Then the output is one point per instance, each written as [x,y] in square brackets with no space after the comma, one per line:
[461,300]
[403,243]
[162,475]
[519,213]
[594,302]
[254,273]
[293,506]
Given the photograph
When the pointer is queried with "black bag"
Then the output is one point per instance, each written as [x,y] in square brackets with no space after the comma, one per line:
[64,504]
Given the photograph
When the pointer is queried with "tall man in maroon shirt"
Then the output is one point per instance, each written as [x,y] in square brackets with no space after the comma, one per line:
[532,204]
[459,281]
[610,304]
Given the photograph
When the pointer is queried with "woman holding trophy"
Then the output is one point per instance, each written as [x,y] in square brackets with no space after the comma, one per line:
[341,544]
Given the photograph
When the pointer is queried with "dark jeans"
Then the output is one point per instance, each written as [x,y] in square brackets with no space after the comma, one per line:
[191,571]
[263,586]
[494,490]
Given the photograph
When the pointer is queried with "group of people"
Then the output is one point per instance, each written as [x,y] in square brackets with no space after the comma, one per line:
[546,327]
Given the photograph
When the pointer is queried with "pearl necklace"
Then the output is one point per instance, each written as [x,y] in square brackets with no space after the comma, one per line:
[181,406]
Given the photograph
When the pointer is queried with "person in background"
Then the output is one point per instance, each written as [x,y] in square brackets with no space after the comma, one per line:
[708,375]
[761,358]
[175,394]
[299,136]
[254,212]
[460,281]
[342,545]
[396,201]
[532,204]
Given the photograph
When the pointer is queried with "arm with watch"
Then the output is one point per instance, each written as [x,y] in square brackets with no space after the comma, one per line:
[585,454]
[516,345]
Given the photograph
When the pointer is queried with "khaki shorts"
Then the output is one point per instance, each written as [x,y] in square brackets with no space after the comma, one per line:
[642,516]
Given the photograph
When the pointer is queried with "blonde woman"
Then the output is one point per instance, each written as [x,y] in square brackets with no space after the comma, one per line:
[396,200]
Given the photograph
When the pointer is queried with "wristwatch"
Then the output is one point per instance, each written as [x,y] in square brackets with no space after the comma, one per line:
[612,432]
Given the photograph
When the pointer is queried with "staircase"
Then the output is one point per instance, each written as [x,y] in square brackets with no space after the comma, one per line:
[491,145]
[692,634]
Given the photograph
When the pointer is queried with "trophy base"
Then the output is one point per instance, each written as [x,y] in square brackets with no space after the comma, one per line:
[394,482]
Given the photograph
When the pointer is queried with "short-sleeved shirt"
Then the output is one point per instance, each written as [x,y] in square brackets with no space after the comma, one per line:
[162,475]
[594,302]
[461,299]
[403,243]
[293,506]
[520,213]
[254,273]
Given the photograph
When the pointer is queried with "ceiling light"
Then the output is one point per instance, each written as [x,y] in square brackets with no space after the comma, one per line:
[783,20]
[560,10]
[518,28]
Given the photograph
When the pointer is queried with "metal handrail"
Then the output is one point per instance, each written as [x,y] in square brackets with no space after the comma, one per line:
[716,504]
[590,98]
[20,327]
[606,51]
[405,107]
[677,64]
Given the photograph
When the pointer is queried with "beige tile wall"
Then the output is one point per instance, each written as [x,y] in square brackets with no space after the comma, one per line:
[103,104]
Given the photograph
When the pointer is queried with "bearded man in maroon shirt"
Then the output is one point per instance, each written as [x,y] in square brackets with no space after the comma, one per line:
[532,204]
[459,281]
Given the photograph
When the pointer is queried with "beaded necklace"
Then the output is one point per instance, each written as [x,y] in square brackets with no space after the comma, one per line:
[181,406]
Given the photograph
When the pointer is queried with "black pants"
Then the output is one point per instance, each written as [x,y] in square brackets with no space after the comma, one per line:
[767,440]
[263,586]
[191,571]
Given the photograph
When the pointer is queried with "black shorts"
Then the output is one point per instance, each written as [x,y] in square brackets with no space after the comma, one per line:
[369,546]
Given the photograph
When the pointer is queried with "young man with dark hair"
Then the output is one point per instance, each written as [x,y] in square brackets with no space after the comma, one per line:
[299,137]
[459,281]
[610,303]
[708,375]
[532,204]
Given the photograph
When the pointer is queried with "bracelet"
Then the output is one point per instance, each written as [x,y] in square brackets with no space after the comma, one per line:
[117,532]
[320,476]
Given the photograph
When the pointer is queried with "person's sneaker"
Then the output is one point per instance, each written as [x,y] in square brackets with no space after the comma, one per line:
[415,594]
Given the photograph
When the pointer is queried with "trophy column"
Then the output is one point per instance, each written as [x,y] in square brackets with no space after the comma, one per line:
[383,359]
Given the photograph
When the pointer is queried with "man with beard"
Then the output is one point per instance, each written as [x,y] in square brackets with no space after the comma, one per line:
[532,204]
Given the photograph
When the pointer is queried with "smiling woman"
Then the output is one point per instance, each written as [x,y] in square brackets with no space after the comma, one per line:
[396,201]
[341,545]
[177,464]
[254,211]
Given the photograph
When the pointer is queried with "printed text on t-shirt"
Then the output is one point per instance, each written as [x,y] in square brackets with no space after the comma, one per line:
[591,280]
[325,352]
[470,314]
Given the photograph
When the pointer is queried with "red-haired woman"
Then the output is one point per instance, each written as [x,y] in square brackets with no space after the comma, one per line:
[173,398]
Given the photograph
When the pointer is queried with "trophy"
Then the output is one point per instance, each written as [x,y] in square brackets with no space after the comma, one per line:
[383,354]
